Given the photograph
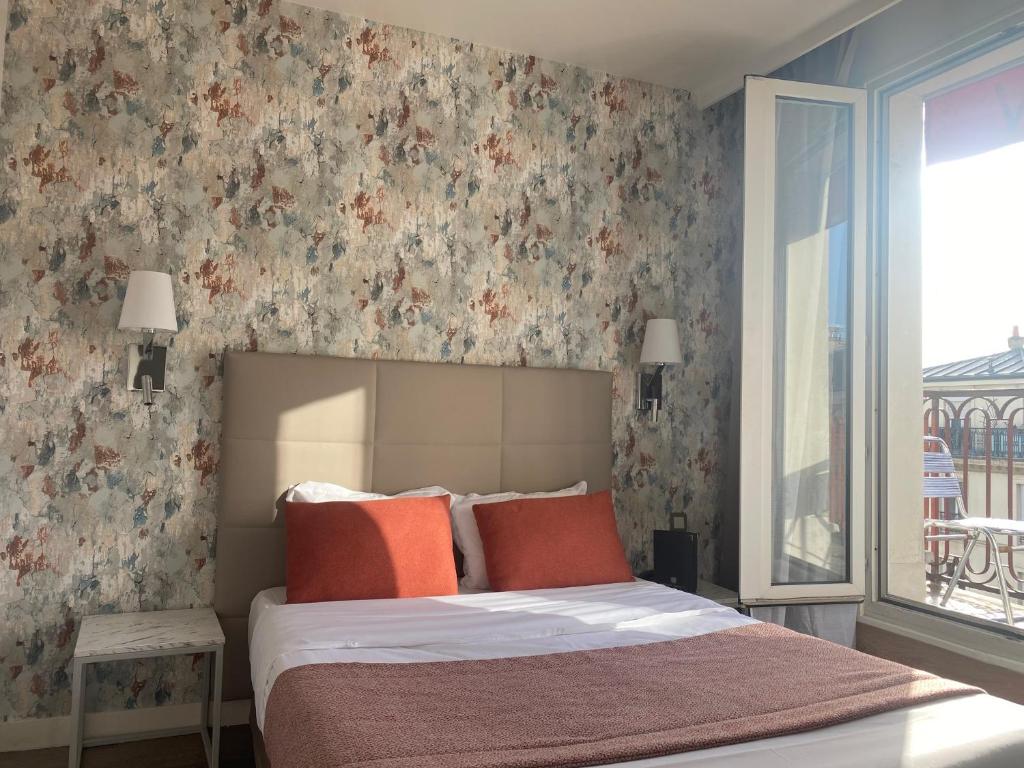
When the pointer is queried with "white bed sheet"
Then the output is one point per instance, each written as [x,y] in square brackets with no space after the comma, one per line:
[976,730]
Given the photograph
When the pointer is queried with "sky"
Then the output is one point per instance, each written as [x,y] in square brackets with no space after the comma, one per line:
[973,251]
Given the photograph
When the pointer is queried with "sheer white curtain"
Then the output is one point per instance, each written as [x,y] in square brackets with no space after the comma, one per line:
[810,519]
[836,623]
[811,313]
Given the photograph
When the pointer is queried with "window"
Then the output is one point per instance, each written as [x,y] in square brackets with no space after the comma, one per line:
[952,359]
[802,454]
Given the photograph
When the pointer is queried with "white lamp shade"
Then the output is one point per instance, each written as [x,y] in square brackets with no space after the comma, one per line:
[661,343]
[149,303]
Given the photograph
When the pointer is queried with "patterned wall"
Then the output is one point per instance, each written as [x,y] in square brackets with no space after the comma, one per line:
[323,185]
[708,300]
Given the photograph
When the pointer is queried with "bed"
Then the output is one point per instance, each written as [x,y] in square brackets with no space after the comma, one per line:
[392,426]
[976,730]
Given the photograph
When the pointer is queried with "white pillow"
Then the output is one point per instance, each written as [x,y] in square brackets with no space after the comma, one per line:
[467,535]
[317,492]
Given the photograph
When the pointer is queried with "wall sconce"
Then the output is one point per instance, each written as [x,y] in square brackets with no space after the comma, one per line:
[661,348]
[148,307]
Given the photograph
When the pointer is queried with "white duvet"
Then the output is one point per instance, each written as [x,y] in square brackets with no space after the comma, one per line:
[974,730]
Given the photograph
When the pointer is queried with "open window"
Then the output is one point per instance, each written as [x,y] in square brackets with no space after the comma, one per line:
[951,355]
[802,449]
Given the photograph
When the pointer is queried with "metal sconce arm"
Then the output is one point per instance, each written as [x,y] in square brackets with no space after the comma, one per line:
[648,391]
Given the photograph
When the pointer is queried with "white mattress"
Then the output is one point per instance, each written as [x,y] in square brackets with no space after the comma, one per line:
[974,730]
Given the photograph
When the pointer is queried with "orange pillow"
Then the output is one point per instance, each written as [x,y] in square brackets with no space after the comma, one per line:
[565,541]
[357,550]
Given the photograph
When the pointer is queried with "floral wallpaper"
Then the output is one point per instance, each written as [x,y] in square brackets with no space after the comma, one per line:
[324,185]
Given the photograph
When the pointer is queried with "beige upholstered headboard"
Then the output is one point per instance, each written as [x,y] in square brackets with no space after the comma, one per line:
[387,427]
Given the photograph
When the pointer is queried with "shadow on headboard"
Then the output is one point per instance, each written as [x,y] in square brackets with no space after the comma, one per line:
[384,426]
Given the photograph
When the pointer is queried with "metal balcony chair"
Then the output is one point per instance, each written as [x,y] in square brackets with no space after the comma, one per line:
[941,482]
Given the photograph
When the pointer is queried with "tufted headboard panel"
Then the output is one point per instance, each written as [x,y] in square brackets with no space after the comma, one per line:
[384,426]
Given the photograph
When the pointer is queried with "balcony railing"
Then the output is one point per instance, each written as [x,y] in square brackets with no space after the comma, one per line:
[985,433]
[981,444]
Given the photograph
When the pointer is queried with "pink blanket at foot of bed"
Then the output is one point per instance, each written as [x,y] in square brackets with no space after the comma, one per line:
[584,707]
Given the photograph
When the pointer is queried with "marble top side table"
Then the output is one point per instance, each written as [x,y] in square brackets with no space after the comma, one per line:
[126,636]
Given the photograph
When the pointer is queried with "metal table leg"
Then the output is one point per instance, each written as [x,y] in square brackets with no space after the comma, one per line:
[960,567]
[209,722]
[77,713]
[204,705]
[1000,577]
[218,676]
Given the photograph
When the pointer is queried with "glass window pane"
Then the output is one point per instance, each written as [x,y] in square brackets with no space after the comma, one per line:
[810,510]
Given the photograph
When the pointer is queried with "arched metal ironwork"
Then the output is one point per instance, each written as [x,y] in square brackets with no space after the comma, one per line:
[985,433]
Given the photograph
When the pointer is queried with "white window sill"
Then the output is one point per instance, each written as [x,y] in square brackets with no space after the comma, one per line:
[979,644]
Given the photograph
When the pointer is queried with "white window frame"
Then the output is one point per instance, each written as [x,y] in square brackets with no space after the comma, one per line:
[757,397]
[899,111]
